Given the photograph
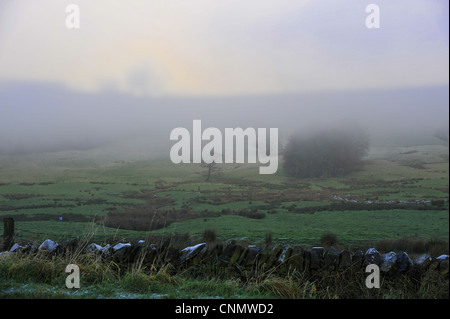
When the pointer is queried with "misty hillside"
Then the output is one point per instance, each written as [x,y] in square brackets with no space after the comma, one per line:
[37,117]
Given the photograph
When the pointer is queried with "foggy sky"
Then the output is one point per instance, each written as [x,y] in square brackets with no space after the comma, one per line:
[233,47]
[137,69]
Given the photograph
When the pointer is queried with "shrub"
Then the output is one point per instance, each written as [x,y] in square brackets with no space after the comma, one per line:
[328,239]
[209,235]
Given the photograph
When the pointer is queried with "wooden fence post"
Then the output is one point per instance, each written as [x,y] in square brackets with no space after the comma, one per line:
[8,233]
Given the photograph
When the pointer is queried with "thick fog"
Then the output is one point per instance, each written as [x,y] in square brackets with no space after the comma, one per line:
[128,72]
[37,117]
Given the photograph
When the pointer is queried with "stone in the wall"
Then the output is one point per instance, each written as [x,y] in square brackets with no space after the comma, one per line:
[249,256]
[28,248]
[404,263]
[213,253]
[49,245]
[443,264]
[388,261]
[165,245]
[282,258]
[285,253]
[170,255]
[16,248]
[136,249]
[345,259]
[106,251]
[296,259]
[199,257]
[227,253]
[316,257]
[122,252]
[423,261]
[307,259]
[242,257]
[72,244]
[236,254]
[142,251]
[266,252]
[120,246]
[420,266]
[191,251]
[273,256]
[331,258]
[252,255]
[358,258]
[434,265]
[94,248]
[372,256]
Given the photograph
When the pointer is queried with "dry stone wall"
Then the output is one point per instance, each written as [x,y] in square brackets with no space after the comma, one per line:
[231,255]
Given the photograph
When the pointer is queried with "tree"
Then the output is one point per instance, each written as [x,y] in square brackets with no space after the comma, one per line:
[327,153]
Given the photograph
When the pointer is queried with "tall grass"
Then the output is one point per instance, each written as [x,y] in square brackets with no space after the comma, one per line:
[107,279]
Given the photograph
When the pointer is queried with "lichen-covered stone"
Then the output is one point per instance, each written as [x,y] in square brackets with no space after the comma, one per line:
[227,253]
[236,254]
[273,257]
[190,252]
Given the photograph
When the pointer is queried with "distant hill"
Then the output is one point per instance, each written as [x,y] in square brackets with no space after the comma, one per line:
[44,117]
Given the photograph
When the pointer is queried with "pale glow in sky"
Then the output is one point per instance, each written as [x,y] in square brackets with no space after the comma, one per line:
[212,47]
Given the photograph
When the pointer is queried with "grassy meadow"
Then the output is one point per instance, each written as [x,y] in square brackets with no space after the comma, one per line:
[398,201]
[64,194]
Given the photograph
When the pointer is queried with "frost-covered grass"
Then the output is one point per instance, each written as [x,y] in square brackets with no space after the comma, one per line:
[43,278]
[31,276]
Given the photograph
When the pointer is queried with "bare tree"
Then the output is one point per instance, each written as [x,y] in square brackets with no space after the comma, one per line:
[213,169]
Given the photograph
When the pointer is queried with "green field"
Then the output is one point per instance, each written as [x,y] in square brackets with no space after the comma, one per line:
[85,187]
[398,201]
